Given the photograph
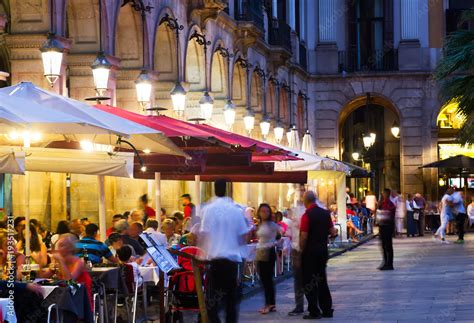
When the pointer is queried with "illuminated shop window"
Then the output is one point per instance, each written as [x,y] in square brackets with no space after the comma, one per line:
[451,150]
[449,118]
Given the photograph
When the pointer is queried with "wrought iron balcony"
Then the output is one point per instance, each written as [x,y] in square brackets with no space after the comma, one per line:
[280,34]
[251,11]
[378,60]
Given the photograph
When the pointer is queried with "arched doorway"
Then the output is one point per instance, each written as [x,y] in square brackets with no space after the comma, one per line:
[367,115]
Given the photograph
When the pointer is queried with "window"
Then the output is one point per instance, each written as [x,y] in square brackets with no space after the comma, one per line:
[449,118]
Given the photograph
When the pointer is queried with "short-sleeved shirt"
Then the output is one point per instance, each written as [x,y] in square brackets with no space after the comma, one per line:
[304,227]
[223,225]
[445,207]
[95,249]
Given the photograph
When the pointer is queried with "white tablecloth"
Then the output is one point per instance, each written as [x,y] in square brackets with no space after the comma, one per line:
[5,311]
[150,274]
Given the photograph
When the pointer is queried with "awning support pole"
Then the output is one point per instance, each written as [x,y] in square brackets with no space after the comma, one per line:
[197,194]
[102,220]
[158,198]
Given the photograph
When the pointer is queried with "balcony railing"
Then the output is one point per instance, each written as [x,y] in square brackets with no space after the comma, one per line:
[250,10]
[280,34]
[378,60]
[303,57]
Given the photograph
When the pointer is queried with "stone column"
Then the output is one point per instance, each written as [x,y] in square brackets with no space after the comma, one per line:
[326,49]
[409,51]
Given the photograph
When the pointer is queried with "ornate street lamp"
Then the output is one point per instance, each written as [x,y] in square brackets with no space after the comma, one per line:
[355,156]
[395,130]
[101,66]
[265,123]
[249,118]
[229,108]
[279,132]
[178,93]
[206,102]
[52,52]
[369,137]
[143,84]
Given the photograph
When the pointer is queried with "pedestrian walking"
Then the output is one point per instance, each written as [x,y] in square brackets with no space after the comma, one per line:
[446,215]
[470,212]
[296,214]
[412,225]
[460,213]
[223,231]
[421,203]
[386,220]
[316,227]
[397,200]
[268,233]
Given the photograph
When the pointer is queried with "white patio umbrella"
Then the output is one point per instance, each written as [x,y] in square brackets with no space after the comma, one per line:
[35,101]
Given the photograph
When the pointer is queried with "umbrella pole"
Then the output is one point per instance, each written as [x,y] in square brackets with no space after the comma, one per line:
[102,221]
[197,193]
[27,215]
[158,198]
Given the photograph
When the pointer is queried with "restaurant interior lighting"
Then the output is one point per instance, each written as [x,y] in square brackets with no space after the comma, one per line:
[26,136]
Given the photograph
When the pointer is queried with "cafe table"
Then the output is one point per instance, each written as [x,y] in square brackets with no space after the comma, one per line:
[150,274]
[5,313]
[72,302]
[109,278]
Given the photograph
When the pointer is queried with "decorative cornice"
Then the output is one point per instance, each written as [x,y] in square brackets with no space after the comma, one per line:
[32,41]
[246,35]
[205,10]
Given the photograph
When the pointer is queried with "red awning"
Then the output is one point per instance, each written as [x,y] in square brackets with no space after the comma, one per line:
[177,128]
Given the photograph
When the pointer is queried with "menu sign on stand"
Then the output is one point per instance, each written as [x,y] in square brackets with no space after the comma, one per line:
[159,253]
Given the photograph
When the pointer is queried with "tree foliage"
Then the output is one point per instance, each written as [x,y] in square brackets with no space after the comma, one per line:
[455,75]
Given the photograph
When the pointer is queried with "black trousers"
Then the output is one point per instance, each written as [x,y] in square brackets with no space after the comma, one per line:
[387,244]
[460,220]
[315,281]
[266,271]
[421,224]
[222,288]
[298,279]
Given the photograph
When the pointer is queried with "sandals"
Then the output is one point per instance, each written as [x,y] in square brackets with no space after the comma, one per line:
[267,309]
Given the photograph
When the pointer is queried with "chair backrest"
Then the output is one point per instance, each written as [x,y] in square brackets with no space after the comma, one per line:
[183,282]
[185,263]
[126,271]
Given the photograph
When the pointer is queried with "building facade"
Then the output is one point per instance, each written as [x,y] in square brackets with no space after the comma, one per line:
[362,63]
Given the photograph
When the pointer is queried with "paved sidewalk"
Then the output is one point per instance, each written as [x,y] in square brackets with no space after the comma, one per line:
[431,283]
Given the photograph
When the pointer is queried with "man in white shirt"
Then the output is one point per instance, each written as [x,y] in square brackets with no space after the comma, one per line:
[460,212]
[446,204]
[223,230]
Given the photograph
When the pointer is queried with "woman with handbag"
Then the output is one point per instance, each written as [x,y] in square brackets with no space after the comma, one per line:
[412,227]
[268,233]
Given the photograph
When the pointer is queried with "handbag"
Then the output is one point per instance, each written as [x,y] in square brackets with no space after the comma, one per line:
[416,216]
[383,217]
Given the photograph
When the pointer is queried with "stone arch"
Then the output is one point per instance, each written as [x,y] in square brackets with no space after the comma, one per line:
[129,38]
[194,66]
[239,84]
[164,54]
[219,73]
[82,25]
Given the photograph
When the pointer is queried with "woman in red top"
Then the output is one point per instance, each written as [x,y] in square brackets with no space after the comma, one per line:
[69,266]
[147,210]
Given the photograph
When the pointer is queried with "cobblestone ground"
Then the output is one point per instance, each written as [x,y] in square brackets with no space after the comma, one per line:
[431,283]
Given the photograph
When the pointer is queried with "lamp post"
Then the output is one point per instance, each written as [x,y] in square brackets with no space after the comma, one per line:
[52,52]
[143,84]
[101,66]
[265,123]
[178,93]
[368,137]
[206,102]
[249,118]
[229,108]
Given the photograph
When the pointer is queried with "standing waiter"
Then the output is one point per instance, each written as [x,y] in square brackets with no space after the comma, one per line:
[386,220]
[316,227]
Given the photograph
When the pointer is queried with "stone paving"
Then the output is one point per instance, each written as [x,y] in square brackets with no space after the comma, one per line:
[431,283]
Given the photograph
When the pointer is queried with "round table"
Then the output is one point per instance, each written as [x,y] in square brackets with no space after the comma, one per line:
[150,274]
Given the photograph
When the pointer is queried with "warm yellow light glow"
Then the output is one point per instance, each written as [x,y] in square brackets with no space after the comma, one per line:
[143,169]
[27,137]
[449,117]
[451,150]
[89,146]
[146,151]
[442,182]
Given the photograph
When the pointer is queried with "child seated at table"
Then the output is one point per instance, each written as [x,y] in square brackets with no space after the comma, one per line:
[125,256]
